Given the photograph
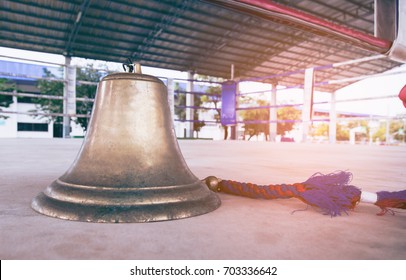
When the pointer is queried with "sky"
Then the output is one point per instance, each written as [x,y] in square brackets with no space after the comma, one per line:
[375,87]
[60,59]
[387,85]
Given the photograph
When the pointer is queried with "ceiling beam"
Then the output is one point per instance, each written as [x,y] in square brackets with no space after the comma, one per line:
[283,14]
[76,26]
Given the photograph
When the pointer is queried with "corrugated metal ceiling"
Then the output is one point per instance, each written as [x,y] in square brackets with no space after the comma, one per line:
[203,36]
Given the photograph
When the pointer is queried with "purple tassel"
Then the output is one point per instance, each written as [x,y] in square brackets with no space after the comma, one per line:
[331,192]
[391,200]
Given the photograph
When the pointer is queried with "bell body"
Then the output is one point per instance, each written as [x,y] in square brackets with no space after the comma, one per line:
[130,167]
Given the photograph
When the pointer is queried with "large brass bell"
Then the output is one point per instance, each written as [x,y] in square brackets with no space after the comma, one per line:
[129,168]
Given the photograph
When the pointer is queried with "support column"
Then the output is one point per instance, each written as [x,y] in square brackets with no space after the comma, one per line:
[273,116]
[387,131]
[190,102]
[333,120]
[69,96]
[233,128]
[13,118]
[307,110]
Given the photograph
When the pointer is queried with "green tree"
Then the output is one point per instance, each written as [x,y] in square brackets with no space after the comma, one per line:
[180,101]
[180,111]
[321,130]
[87,74]
[380,134]
[342,131]
[55,88]
[285,113]
[214,96]
[396,129]
[6,100]
[251,117]
[51,88]
[362,123]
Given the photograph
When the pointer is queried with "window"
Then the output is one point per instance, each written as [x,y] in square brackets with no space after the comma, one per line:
[32,127]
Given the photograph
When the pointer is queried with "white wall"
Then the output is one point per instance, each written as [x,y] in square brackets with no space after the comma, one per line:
[8,127]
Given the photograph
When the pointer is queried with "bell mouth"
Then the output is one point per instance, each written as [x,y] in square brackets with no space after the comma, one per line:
[128,196]
[128,205]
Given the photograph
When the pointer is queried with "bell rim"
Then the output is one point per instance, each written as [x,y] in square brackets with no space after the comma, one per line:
[124,214]
[123,189]
[156,195]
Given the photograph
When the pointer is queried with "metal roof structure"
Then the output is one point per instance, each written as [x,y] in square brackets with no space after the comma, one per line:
[204,36]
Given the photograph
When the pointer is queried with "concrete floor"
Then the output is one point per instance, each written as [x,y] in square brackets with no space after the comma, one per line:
[241,228]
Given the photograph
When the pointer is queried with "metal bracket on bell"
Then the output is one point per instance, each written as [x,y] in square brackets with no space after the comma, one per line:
[132,67]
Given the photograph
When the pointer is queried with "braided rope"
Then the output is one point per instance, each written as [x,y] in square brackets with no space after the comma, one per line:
[332,192]
[261,191]
[329,192]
